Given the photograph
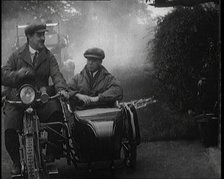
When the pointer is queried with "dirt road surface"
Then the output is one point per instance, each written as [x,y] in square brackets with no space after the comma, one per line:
[170,159]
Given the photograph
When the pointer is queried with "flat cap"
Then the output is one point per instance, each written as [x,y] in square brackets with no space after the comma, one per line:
[35,27]
[94,53]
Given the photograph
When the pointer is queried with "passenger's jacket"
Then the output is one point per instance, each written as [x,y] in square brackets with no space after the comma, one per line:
[46,67]
[104,85]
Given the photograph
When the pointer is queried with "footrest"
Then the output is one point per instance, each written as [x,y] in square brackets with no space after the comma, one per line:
[52,169]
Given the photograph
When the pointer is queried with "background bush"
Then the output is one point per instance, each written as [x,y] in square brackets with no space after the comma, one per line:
[186,48]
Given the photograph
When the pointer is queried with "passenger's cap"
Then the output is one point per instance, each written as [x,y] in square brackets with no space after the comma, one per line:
[94,53]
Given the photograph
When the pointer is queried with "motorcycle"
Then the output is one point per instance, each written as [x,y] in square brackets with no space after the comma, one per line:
[87,136]
[33,136]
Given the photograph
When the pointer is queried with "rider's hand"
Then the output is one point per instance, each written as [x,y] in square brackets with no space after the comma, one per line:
[86,99]
[94,99]
[64,94]
[24,72]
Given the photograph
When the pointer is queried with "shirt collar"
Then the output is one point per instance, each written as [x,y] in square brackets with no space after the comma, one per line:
[94,73]
[32,51]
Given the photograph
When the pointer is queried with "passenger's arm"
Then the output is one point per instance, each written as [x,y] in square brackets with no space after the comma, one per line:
[113,91]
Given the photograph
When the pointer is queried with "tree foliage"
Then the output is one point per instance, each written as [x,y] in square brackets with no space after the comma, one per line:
[186,48]
[38,9]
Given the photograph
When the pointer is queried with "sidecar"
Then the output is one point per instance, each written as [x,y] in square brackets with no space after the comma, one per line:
[106,134]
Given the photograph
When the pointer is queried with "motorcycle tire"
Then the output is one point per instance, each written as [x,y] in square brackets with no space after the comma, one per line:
[124,153]
[43,173]
[29,154]
[131,144]
[32,162]
[131,156]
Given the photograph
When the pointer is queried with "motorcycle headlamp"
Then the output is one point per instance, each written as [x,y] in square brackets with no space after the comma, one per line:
[27,94]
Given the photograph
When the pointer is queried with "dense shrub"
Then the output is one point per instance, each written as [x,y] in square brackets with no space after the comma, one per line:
[186,48]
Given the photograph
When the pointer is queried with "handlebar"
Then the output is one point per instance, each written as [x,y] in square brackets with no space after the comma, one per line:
[51,97]
[38,100]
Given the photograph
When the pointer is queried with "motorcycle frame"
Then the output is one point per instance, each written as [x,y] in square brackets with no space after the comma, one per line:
[33,127]
[71,148]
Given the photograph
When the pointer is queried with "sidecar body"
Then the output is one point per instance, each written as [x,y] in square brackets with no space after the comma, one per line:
[99,134]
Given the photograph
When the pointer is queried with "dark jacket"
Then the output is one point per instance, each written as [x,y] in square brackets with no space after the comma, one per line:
[45,67]
[104,85]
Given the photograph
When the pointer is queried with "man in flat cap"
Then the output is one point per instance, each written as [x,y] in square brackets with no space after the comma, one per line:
[32,63]
[94,85]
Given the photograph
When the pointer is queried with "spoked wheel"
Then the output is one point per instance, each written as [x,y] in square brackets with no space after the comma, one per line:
[29,152]
[34,164]
[129,151]
[131,140]
[42,169]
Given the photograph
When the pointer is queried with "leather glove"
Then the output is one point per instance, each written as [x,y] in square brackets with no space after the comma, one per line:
[64,95]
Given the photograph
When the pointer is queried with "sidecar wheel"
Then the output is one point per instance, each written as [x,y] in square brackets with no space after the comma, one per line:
[131,156]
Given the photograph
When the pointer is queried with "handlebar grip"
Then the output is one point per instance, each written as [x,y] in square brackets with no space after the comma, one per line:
[44,97]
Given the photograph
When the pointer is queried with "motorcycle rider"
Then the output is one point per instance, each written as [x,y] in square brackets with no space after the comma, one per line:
[32,63]
[94,85]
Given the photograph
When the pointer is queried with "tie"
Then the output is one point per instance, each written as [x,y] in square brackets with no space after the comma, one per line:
[35,59]
[91,79]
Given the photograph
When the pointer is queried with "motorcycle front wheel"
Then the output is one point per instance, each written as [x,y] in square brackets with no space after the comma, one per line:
[34,165]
